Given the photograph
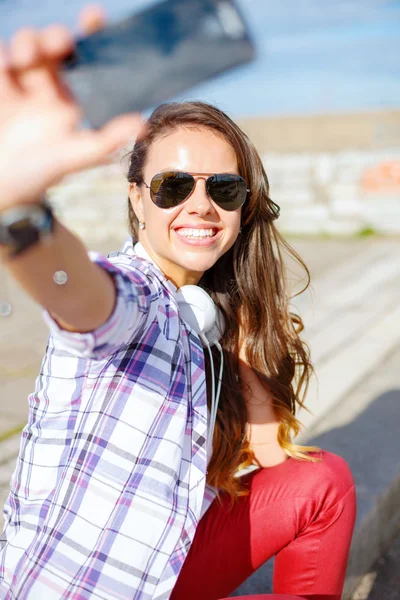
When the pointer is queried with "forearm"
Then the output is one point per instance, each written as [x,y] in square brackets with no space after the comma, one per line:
[87,298]
[42,141]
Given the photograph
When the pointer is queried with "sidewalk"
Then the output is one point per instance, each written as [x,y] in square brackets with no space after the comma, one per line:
[382,582]
[352,319]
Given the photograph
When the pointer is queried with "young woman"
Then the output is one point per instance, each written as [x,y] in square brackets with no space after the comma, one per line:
[125,487]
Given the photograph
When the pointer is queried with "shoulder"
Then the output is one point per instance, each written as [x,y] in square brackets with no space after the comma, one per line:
[135,275]
[130,265]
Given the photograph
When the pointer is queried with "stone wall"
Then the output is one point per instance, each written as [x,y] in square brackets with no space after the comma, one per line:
[335,175]
[336,193]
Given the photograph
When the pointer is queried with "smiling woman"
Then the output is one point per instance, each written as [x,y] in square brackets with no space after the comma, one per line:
[187,239]
[198,241]
[140,474]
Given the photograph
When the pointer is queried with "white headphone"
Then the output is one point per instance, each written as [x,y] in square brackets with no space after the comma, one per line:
[197,309]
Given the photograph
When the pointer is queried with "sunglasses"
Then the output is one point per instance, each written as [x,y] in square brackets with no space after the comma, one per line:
[171,188]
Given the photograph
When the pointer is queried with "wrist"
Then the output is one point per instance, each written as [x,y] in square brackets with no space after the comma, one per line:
[25,225]
[17,193]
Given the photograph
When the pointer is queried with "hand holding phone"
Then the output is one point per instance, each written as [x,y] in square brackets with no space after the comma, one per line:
[40,120]
[127,66]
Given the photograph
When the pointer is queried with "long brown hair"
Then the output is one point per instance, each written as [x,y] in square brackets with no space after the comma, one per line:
[248,284]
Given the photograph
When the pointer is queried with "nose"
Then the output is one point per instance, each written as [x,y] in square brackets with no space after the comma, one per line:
[199,202]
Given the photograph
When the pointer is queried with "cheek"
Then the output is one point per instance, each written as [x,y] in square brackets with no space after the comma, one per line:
[232,223]
[159,221]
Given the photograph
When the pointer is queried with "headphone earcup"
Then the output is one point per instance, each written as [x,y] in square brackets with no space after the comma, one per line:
[214,334]
[198,310]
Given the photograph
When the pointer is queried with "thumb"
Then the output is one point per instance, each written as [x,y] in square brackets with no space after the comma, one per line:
[92,148]
[92,18]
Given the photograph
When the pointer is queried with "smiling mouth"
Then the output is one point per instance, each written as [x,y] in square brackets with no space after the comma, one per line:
[196,233]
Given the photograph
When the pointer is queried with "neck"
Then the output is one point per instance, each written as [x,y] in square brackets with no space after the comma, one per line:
[173,272]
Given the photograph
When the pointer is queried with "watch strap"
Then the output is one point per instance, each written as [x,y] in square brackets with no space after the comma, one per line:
[25,225]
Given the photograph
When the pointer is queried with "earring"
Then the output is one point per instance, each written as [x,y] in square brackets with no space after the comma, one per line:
[141,225]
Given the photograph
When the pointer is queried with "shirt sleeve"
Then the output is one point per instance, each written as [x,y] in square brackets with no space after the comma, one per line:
[135,306]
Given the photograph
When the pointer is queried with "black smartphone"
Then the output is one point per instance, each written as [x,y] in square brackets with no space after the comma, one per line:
[153,55]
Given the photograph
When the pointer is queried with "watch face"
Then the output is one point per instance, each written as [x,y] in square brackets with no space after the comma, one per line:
[22,226]
[35,214]
[17,226]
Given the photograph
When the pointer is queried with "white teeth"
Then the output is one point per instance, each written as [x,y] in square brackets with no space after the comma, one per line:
[196,233]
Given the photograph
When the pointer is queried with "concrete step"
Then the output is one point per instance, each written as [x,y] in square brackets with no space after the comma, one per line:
[382,582]
[352,321]
[352,324]
[363,428]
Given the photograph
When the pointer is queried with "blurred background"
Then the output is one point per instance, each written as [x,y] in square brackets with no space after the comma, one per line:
[322,104]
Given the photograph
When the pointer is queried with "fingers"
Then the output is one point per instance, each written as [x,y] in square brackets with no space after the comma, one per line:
[4,63]
[30,48]
[9,87]
[4,59]
[91,19]
[34,58]
[56,42]
[92,148]
[120,130]
[24,51]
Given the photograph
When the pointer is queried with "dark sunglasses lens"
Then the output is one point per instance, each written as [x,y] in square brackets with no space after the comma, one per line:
[228,191]
[171,189]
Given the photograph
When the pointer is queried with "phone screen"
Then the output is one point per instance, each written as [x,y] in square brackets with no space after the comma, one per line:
[150,57]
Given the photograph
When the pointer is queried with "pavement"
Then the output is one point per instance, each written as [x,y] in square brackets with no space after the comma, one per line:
[352,323]
[382,582]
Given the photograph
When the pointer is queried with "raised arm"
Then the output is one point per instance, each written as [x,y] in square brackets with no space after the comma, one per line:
[85,301]
[40,142]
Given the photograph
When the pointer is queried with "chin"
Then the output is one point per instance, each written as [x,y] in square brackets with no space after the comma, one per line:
[199,265]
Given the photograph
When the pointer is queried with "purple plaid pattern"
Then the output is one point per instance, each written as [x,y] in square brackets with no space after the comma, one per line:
[110,480]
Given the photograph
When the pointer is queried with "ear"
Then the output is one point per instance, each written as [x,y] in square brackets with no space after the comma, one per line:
[136,200]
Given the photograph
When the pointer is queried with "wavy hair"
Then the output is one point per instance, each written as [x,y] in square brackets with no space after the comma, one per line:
[248,284]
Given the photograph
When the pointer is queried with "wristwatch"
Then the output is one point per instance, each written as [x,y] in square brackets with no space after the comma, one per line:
[24,226]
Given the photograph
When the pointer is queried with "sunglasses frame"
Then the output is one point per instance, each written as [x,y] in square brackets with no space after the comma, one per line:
[196,177]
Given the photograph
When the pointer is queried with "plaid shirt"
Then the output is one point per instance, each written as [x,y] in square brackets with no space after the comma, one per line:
[110,481]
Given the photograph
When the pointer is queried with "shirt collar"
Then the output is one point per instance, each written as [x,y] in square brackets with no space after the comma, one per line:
[141,251]
[138,249]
